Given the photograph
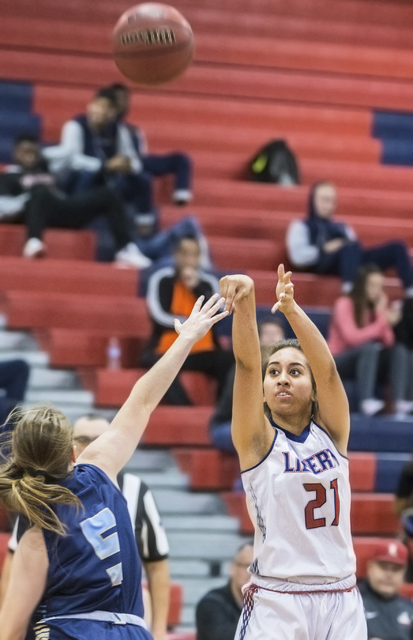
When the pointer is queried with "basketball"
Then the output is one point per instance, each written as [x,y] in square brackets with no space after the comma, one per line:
[152,43]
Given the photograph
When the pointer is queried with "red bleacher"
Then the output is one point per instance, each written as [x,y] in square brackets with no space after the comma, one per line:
[112,387]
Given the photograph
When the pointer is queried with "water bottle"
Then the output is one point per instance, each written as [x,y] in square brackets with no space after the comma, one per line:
[114,354]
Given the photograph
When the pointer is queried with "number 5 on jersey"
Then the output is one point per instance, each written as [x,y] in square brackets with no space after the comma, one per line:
[320,499]
[93,530]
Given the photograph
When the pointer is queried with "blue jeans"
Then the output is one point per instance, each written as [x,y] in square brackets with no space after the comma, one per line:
[346,261]
[136,188]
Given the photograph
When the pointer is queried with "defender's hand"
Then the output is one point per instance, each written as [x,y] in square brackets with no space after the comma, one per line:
[202,318]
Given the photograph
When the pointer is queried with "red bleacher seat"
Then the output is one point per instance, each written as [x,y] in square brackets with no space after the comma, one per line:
[119,314]
[112,386]
[66,276]
[86,347]
[175,605]
[362,202]
[208,470]
[237,507]
[178,426]
[237,253]
[362,471]
[374,514]
[61,244]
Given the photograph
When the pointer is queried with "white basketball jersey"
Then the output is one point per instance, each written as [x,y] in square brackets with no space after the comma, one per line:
[299,499]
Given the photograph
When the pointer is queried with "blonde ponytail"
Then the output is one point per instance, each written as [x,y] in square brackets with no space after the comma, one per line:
[41,445]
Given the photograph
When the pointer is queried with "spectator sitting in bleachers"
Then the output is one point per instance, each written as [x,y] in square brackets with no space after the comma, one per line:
[322,245]
[218,612]
[177,164]
[172,291]
[389,616]
[362,341]
[28,194]
[102,150]
[270,331]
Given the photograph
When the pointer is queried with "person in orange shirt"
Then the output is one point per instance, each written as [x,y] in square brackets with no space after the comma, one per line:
[172,291]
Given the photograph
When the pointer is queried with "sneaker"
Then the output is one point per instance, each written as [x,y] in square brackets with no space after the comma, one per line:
[371,406]
[182,197]
[34,248]
[131,256]
[403,407]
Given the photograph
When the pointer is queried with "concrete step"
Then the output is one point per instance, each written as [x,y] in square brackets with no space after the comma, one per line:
[187,617]
[151,460]
[225,524]
[57,397]
[41,378]
[16,340]
[188,568]
[181,502]
[163,480]
[33,358]
[208,546]
[195,588]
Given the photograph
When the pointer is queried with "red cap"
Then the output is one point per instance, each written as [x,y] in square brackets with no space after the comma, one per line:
[391,551]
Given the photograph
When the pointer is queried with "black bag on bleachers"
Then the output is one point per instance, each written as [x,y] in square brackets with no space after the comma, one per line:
[276,163]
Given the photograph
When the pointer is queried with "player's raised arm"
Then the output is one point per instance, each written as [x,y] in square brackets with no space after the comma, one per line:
[251,432]
[113,449]
[331,396]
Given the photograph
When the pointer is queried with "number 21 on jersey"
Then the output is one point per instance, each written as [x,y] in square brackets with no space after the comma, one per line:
[311,522]
[93,530]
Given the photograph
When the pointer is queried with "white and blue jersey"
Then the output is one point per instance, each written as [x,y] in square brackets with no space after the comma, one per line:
[299,499]
[94,579]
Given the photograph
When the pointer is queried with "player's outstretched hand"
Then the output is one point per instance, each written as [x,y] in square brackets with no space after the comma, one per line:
[202,318]
[234,288]
[284,292]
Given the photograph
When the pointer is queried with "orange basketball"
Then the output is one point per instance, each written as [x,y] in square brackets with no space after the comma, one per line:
[152,43]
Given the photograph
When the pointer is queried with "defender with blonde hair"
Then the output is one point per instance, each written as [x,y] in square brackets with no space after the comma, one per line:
[290,428]
[76,571]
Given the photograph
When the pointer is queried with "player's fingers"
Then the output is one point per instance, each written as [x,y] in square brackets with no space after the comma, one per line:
[229,297]
[289,288]
[281,272]
[216,307]
[210,303]
[287,277]
[198,304]
[275,307]
[220,316]
[177,326]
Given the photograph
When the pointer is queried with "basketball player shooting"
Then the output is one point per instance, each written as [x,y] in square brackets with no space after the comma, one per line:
[290,428]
